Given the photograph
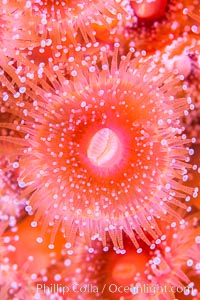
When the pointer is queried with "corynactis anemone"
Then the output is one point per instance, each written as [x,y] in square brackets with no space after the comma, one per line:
[19,274]
[59,279]
[15,284]
[99,149]
[10,206]
[12,283]
[17,33]
[16,27]
[103,153]
[66,23]
[145,10]
[182,56]
[38,256]
[193,176]
[176,261]
[159,22]
[166,269]
[69,28]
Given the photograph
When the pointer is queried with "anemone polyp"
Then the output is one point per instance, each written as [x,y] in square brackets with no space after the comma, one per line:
[149,10]
[69,22]
[104,153]
[160,22]
[16,25]
[16,284]
[11,208]
[164,271]
[182,57]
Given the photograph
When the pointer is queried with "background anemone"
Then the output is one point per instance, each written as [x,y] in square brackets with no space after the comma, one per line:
[156,24]
[11,207]
[20,274]
[71,26]
[163,271]
[16,25]
[182,57]
[71,20]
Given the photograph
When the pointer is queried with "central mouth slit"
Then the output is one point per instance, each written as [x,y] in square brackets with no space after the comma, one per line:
[105,148]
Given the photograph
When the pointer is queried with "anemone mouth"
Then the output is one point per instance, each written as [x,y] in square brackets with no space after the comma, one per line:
[123,271]
[149,11]
[125,267]
[105,149]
